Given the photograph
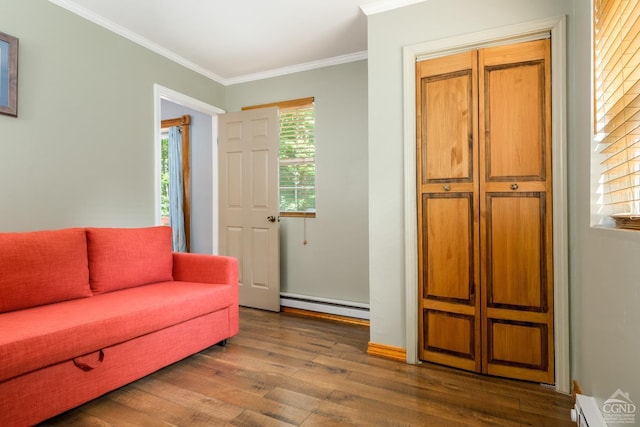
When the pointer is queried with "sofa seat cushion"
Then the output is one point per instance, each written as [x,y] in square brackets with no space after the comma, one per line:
[41,336]
[126,257]
[42,267]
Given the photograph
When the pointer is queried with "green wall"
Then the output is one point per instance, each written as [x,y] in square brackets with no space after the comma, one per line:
[81,150]
[605,284]
[388,34]
[334,262]
[603,277]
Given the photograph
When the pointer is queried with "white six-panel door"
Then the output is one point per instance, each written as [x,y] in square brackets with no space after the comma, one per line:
[248,148]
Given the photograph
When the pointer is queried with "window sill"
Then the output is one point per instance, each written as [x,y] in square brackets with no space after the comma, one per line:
[627,221]
[297,214]
[621,232]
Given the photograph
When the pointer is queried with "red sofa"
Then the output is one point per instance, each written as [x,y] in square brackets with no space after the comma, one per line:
[85,311]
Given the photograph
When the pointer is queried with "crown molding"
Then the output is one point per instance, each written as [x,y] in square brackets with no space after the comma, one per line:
[336,60]
[386,5]
[154,47]
[135,37]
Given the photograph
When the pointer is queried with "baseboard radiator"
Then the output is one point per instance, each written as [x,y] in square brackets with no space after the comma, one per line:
[325,305]
[586,412]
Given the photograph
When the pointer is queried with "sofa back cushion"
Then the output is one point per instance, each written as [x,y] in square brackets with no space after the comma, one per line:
[42,267]
[127,257]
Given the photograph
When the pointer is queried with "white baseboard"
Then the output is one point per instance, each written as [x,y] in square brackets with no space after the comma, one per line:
[323,305]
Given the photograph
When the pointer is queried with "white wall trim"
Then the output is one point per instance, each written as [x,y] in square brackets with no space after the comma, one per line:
[160,50]
[134,37]
[186,100]
[336,60]
[160,93]
[325,300]
[502,35]
[325,305]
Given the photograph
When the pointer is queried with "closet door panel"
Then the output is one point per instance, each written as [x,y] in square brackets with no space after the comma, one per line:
[515,118]
[516,347]
[516,225]
[448,247]
[446,146]
[516,247]
[448,210]
[450,338]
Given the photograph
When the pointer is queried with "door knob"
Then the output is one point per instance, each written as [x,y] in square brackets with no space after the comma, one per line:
[271,218]
[514,186]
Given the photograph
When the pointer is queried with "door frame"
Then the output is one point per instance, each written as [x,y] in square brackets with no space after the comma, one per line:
[160,93]
[556,26]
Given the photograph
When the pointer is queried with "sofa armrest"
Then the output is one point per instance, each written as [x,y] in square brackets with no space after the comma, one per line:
[201,268]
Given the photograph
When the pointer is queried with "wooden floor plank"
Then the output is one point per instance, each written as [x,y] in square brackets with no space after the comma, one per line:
[277,411]
[287,370]
[204,407]
[250,418]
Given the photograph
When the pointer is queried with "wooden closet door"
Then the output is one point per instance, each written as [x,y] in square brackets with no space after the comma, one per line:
[516,218]
[485,228]
[448,211]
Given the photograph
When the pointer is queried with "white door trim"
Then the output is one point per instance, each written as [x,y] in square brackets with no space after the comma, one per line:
[160,93]
[510,34]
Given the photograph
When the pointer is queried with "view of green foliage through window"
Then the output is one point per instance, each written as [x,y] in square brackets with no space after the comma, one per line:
[297,159]
[164,178]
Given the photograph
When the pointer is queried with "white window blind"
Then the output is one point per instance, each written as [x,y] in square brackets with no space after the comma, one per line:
[297,159]
[617,105]
[297,156]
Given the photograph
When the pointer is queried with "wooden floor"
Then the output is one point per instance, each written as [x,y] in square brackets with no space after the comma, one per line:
[283,369]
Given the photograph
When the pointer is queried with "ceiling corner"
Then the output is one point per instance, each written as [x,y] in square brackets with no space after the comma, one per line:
[386,5]
[136,38]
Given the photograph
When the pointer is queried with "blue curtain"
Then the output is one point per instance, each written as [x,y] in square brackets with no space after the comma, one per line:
[176,211]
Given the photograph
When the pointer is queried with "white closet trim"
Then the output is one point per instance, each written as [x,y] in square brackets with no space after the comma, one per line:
[503,35]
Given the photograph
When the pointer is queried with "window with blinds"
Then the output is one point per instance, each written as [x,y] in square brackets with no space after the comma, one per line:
[617,107]
[297,156]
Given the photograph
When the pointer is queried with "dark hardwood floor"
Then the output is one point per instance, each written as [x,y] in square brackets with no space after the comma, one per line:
[283,369]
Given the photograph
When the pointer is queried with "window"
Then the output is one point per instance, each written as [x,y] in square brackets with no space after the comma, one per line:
[617,107]
[164,176]
[297,156]
[183,123]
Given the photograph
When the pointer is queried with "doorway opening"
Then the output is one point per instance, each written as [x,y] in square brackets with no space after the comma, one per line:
[204,164]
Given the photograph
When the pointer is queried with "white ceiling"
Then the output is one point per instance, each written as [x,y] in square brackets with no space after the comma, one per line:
[241,40]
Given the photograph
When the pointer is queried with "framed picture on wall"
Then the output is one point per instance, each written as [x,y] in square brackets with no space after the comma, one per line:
[8,75]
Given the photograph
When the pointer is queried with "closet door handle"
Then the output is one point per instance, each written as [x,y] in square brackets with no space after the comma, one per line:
[514,186]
